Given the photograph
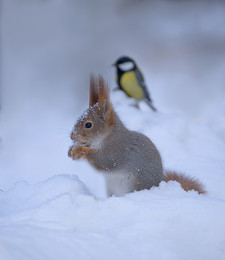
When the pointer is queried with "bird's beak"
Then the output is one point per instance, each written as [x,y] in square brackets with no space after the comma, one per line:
[114,64]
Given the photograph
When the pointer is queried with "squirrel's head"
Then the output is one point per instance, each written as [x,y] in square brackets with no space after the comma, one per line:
[96,121]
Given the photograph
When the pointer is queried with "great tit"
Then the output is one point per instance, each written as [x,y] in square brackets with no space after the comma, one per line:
[130,79]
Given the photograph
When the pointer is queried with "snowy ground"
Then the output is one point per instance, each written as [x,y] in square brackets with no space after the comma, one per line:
[54,208]
[62,218]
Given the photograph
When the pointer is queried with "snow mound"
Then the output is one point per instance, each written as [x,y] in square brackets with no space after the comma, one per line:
[59,219]
[41,204]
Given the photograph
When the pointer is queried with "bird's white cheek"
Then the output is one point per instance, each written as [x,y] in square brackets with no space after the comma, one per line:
[126,66]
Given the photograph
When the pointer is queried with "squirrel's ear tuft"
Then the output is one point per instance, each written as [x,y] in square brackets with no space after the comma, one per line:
[94,91]
[99,93]
[103,91]
[105,106]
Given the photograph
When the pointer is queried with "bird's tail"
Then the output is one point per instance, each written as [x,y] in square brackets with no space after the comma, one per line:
[149,102]
[187,183]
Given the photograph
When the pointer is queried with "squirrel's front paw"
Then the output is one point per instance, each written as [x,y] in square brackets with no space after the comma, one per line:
[76,152]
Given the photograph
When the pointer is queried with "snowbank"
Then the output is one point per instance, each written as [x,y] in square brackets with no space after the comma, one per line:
[59,219]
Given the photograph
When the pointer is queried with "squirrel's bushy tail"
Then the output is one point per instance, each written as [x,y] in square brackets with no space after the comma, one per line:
[186,182]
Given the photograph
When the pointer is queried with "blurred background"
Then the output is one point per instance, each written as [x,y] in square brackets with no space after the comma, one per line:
[48,48]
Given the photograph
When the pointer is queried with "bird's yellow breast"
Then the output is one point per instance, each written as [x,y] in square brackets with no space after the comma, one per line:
[131,86]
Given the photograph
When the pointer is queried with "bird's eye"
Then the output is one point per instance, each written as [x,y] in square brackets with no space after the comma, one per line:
[88,125]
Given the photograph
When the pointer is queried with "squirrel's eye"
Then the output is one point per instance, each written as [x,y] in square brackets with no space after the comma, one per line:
[88,125]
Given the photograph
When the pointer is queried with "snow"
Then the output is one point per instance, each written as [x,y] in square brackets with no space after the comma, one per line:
[52,207]
[60,218]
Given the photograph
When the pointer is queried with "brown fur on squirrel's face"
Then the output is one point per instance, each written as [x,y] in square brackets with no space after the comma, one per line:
[92,126]
[89,128]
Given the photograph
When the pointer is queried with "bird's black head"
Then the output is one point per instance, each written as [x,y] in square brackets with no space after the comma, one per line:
[125,63]
[123,59]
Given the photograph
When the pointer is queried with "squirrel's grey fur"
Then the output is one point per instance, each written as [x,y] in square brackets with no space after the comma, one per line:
[130,157]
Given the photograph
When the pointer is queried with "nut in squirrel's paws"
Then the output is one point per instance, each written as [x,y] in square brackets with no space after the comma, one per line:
[76,152]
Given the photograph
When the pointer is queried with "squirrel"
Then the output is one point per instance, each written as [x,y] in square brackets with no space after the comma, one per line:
[128,160]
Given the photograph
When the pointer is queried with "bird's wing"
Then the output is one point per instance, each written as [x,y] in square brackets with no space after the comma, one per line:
[141,81]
